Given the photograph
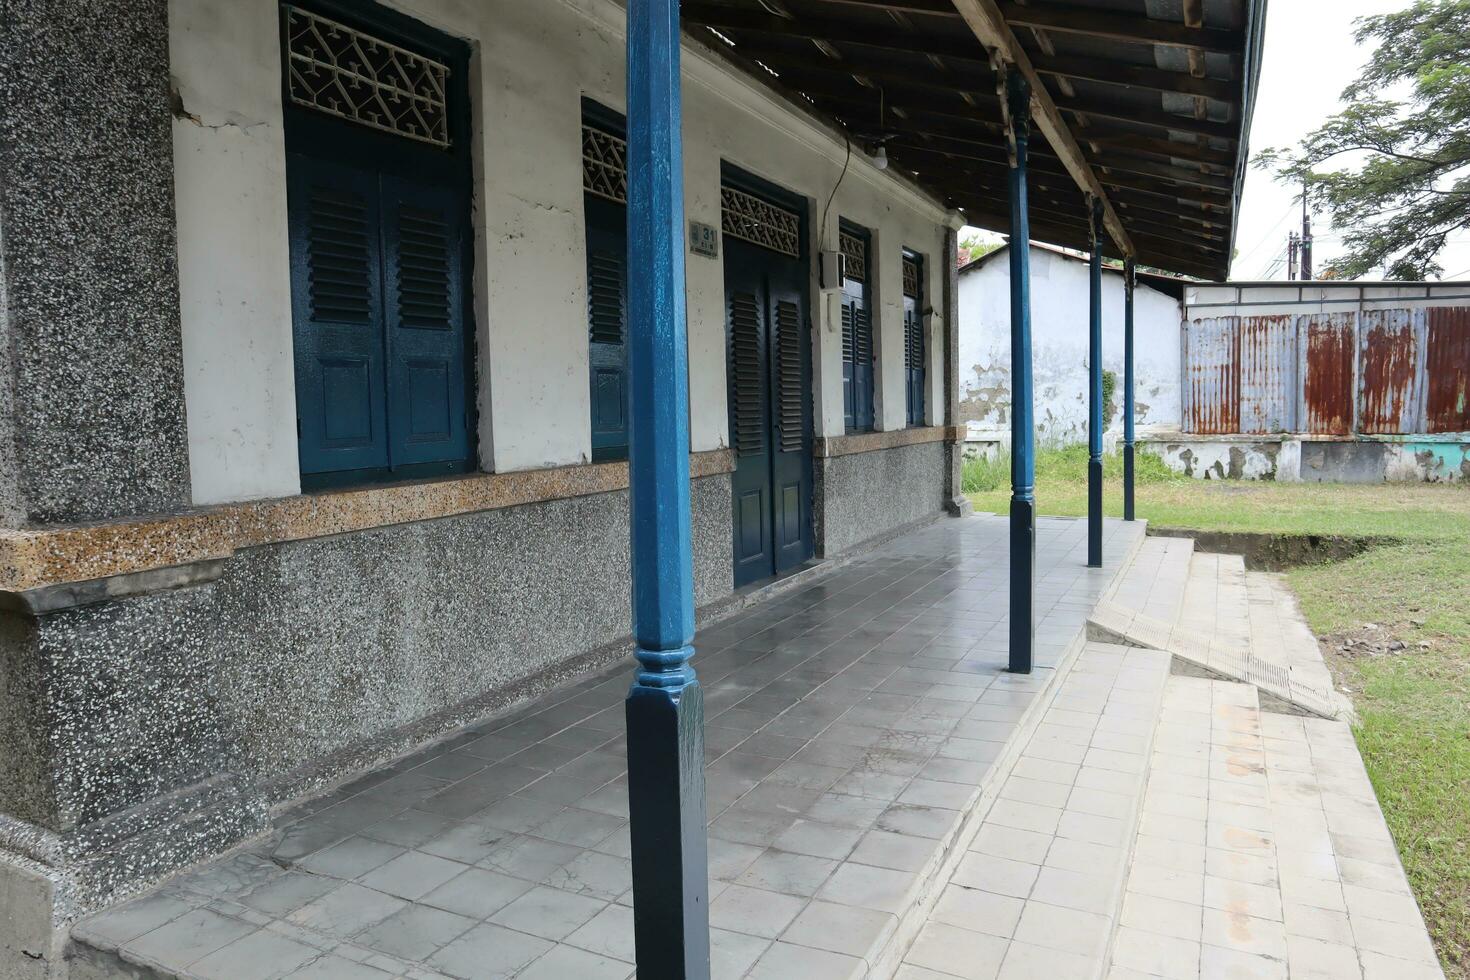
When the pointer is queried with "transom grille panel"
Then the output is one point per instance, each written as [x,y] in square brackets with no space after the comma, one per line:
[760,222]
[854,256]
[345,73]
[910,278]
[748,382]
[788,377]
[604,164]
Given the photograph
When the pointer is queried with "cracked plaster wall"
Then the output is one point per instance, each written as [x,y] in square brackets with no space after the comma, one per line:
[533,61]
[1059,312]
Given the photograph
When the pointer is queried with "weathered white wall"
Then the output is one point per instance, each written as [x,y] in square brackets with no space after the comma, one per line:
[234,279]
[534,60]
[1059,312]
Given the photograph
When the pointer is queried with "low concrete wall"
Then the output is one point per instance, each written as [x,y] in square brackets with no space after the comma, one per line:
[142,734]
[1293,460]
[865,495]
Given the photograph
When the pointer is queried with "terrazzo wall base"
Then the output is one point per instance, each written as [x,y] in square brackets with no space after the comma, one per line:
[171,722]
[864,496]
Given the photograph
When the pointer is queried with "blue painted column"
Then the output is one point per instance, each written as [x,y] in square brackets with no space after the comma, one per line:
[665,706]
[1023,436]
[1130,274]
[1094,396]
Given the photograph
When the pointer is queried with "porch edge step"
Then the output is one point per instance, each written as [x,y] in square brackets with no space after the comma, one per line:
[1277,686]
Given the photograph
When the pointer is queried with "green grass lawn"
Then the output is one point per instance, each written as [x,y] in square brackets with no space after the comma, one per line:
[1413,707]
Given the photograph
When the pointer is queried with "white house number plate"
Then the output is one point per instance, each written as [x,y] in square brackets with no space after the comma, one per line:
[704,239]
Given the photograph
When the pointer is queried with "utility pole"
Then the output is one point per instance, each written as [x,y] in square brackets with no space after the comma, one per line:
[1292,244]
[1306,245]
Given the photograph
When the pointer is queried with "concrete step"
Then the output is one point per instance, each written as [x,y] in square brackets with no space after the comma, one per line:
[1226,623]
[1261,852]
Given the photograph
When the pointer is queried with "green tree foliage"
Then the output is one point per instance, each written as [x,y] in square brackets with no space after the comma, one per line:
[1394,173]
[973,248]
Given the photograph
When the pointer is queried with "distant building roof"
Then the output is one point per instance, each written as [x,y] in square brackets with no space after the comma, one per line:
[1161,282]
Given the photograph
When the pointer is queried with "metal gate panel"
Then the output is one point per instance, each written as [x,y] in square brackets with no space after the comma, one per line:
[1326,343]
[1447,370]
[1212,382]
[1391,387]
[1268,370]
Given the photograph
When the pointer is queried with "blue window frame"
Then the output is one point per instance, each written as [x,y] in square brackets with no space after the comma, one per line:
[857,327]
[378,211]
[605,197]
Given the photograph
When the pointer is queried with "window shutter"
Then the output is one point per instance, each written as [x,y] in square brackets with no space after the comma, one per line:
[423,263]
[607,304]
[337,298]
[789,415]
[849,389]
[862,355]
[747,387]
[424,269]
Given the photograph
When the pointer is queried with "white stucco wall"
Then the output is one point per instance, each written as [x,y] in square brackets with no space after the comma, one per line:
[533,62]
[234,279]
[1059,312]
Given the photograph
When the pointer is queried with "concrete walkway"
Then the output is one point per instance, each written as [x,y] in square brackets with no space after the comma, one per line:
[856,728]
[884,801]
[1262,852]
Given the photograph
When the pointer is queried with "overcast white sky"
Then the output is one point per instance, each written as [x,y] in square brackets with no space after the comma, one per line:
[1309,58]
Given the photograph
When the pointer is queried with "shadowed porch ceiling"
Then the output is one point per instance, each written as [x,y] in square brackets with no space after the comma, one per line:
[1144,102]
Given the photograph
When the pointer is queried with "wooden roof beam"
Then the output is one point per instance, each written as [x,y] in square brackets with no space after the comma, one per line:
[829,29]
[985,20]
[1135,76]
[1128,28]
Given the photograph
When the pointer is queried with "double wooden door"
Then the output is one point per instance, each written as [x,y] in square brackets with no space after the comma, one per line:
[769,374]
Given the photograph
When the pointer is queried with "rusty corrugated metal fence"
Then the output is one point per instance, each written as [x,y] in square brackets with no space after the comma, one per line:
[1374,372]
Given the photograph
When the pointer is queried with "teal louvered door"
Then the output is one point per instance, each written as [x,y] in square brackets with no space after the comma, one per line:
[607,250]
[337,312]
[750,427]
[423,252]
[791,453]
[769,391]
[915,350]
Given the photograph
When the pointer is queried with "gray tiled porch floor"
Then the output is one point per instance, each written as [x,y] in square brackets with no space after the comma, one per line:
[850,723]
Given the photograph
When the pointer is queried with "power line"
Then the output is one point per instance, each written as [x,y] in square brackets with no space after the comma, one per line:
[1290,209]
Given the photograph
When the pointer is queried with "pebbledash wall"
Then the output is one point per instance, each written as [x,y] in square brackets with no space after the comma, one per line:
[211,643]
[1059,318]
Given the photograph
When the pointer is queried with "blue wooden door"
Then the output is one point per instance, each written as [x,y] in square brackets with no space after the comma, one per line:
[769,386]
[423,252]
[337,312]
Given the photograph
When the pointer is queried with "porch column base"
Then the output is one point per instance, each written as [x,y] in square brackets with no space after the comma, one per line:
[1128,514]
[1094,512]
[670,851]
[1023,573]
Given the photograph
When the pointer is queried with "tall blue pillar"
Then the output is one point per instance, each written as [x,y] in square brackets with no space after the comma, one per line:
[1095,396]
[1130,273]
[665,707]
[1023,437]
